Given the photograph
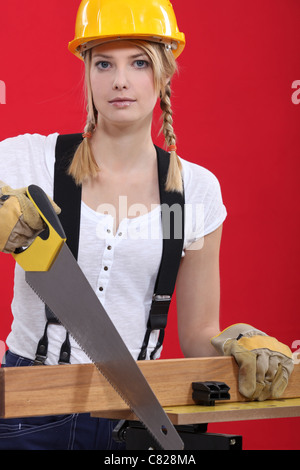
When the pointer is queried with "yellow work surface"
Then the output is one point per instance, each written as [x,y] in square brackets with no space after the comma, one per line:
[234,411]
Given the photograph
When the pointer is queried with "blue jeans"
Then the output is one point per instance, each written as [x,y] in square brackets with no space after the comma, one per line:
[63,432]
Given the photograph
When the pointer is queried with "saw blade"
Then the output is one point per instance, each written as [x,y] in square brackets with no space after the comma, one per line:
[66,291]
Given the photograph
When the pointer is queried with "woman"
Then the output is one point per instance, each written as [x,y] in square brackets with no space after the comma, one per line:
[129,66]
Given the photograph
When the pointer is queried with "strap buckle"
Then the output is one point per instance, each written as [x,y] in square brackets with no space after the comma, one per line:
[157,321]
[39,360]
[159,311]
[161,298]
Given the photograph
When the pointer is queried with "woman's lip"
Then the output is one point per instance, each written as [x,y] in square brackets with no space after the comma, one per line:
[123,103]
[118,100]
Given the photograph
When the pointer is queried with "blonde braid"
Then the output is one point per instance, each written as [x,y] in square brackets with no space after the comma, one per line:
[174,178]
[83,164]
[92,113]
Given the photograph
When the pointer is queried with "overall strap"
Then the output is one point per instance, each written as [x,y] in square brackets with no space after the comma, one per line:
[67,196]
[172,213]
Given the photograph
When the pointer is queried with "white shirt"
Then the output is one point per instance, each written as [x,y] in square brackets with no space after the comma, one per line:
[122,269]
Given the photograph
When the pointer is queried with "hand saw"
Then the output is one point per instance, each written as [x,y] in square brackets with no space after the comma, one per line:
[53,273]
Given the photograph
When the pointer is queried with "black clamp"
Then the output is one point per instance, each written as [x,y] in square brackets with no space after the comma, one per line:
[206,393]
[119,432]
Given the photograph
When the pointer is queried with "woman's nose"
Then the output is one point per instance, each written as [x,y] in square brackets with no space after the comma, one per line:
[120,81]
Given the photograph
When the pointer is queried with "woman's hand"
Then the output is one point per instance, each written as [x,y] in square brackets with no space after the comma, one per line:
[20,222]
[265,364]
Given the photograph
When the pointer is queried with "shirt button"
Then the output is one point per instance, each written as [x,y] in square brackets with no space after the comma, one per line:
[108,230]
[105,268]
[120,234]
[109,247]
[100,289]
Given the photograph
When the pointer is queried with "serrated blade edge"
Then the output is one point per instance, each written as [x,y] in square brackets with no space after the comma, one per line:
[68,294]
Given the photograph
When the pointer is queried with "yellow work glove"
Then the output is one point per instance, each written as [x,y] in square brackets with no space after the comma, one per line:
[20,222]
[264,363]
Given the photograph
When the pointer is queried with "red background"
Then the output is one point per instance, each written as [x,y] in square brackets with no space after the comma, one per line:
[233,114]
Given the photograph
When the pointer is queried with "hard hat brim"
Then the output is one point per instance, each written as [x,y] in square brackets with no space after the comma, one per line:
[79,46]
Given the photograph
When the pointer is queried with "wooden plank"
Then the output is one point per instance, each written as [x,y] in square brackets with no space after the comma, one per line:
[47,390]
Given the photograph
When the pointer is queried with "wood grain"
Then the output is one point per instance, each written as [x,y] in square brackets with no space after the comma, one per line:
[48,390]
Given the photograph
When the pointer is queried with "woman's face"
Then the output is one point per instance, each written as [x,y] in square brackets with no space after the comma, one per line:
[122,83]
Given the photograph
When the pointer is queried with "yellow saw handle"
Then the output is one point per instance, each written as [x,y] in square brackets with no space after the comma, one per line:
[41,254]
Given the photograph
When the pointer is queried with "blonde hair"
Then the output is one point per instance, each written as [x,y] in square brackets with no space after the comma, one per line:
[164,65]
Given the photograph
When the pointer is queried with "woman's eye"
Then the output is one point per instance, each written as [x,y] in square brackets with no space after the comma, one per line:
[102,65]
[141,64]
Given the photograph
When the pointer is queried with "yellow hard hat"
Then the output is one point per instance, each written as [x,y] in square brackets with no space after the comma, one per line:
[102,20]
